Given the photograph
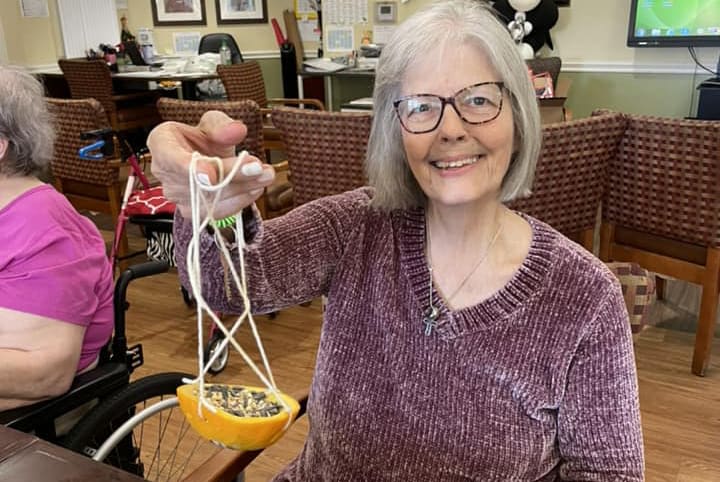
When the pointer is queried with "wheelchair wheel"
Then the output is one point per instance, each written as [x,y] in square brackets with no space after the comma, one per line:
[160,447]
[214,345]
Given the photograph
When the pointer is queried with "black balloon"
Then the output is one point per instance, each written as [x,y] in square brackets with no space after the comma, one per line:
[543,18]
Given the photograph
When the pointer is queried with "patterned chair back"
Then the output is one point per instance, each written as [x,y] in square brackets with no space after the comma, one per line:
[244,81]
[665,179]
[190,112]
[89,79]
[571,173]
[326,150]
[73,117]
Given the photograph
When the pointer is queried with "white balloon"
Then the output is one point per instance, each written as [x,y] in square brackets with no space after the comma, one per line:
[526,51]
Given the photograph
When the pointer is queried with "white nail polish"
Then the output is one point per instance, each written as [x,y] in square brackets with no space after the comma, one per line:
[203,178]
[251,169]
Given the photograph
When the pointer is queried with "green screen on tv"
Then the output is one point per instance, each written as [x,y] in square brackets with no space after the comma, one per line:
[657,18]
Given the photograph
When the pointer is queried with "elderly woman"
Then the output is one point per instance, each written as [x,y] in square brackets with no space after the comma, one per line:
[461,340]
[55,279]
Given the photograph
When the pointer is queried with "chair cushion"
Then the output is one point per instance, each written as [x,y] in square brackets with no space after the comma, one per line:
[638,287]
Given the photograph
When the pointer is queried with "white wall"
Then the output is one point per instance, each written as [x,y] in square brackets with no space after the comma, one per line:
[591,35]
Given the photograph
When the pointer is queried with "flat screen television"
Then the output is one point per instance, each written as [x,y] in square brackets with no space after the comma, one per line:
[674,23]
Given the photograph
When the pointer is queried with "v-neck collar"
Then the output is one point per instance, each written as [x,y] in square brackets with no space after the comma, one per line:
[494,311]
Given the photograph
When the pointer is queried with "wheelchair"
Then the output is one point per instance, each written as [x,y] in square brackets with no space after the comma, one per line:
[106,399]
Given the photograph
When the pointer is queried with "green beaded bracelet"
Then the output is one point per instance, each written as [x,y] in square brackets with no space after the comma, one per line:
[227,222]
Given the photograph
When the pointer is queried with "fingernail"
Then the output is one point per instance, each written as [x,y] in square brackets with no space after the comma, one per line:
[256,192]
[266,176]
[203,178]
[251,169]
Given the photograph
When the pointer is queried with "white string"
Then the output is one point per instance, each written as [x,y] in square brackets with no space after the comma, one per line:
[199,188]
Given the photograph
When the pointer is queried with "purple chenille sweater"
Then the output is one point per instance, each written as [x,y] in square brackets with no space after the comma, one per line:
[537,383]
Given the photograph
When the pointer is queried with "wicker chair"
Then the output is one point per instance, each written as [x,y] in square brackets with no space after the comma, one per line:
[245,81]
[91,185]
[326,150]
[662,209]
[190,112]
[571,173]
[91,79]
[278,197]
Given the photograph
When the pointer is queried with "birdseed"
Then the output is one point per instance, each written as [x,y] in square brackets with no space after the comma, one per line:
[242,402]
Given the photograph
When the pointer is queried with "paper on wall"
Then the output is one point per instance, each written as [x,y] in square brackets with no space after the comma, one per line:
[34,8]
[186,43]
[345,11]
[308,30]
[306,9]
[339,38]
[382,33]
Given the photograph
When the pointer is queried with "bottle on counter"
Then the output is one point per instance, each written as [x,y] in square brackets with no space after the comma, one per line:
[225,54]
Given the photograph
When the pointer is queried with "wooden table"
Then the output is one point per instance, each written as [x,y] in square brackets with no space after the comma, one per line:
[26,457]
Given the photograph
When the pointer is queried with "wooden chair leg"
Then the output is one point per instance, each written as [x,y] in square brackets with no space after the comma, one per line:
[659,288]
[607,235]
[708,313]
[587,239]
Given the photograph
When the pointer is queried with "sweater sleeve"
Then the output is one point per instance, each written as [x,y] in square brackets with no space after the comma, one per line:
[288,260]
[599,431]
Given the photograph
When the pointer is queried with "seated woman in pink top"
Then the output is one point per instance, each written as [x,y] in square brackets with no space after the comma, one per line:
[56,284]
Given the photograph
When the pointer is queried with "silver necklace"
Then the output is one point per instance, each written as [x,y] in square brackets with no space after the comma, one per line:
[432,313]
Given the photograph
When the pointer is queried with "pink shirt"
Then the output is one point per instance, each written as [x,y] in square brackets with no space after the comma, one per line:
[53,264]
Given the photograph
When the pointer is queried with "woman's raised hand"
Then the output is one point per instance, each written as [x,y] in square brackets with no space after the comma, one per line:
[172,145]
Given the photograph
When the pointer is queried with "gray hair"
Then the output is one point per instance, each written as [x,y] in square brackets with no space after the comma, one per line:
[25,123]
[462,22]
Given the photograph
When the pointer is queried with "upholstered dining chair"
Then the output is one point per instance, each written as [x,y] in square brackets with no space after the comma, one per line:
[661,209]
[245,81]
[570,175]
[91,79]
[190,112]
[326,150]
[91,185]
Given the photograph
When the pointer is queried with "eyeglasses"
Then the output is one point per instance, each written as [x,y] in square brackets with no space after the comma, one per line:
[476,104]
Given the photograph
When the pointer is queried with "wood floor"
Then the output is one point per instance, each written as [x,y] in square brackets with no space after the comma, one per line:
[680,412]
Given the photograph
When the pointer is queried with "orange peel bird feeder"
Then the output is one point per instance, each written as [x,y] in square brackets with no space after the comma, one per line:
[235,416]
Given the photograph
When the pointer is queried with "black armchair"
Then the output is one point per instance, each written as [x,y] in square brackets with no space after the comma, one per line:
[212,42]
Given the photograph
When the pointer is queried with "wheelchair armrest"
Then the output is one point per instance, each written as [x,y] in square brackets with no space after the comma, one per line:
[97,383]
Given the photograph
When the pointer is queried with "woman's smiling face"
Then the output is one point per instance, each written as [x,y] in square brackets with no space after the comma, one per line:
[458,163]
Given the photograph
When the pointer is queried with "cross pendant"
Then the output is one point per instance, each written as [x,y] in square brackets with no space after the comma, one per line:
[430,316]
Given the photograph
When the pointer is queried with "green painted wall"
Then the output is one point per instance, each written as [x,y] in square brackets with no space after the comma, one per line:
[272,74]
[669,95]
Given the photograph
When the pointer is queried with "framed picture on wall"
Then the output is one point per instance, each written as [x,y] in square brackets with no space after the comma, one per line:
[178,12]
[241,11]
